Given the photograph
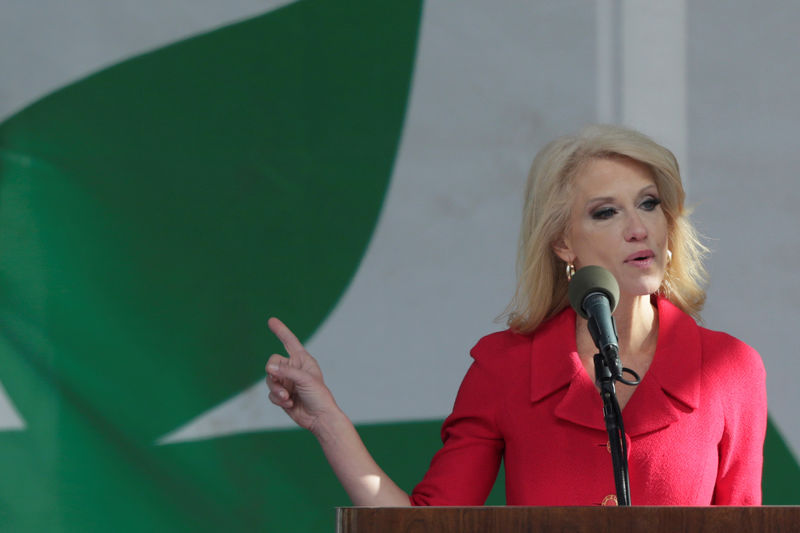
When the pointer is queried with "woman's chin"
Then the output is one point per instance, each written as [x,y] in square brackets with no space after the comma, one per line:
[639,288]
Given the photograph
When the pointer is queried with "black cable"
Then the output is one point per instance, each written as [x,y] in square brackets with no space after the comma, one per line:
[636,378]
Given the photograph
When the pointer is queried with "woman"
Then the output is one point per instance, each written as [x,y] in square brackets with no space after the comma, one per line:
[695,424]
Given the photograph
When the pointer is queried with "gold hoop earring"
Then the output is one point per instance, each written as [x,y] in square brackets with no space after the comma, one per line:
[570,271]
[669,256]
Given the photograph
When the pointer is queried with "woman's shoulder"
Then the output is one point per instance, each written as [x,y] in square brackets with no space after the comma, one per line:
[730,363]
[724,347]
[501,359]
[556,332]
[714,345]
[733,371]
[501,345]
[720,340]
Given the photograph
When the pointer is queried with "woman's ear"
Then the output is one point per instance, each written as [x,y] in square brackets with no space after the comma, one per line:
[563,251]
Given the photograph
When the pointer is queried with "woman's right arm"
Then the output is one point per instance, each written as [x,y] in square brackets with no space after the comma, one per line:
[296,384]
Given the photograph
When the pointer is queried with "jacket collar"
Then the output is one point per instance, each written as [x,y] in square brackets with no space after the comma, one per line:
[670,388]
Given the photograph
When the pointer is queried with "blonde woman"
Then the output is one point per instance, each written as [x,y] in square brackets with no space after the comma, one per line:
[695,424]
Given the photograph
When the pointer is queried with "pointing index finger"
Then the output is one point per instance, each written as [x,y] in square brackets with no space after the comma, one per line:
[285,335]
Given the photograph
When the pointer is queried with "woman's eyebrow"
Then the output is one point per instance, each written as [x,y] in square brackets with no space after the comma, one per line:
[600,200]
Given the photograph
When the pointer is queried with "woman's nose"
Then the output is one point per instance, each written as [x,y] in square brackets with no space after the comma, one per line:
[635,229]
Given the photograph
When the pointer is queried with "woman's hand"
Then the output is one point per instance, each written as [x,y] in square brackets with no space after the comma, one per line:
[295,382]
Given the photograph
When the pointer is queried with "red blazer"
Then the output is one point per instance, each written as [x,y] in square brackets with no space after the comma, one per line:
[695,425]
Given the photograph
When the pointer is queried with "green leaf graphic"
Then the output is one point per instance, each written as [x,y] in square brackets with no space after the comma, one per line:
[152,216]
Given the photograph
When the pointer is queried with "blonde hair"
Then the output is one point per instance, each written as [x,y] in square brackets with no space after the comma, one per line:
[541,278]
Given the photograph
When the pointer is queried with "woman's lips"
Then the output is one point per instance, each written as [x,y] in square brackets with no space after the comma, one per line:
[642,258]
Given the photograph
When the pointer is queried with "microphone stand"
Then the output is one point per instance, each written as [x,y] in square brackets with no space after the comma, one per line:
[616,430]
[607,370]
[592,294]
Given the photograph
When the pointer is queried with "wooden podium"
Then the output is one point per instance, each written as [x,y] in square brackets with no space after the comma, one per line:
[568,519]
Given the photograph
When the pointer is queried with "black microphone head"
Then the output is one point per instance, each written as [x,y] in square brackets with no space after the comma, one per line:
[591,279]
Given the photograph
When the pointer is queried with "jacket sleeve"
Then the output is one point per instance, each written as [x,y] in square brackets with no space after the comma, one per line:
[464,470]
[741,449]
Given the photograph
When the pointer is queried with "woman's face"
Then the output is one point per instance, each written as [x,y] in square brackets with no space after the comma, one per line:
[616,222]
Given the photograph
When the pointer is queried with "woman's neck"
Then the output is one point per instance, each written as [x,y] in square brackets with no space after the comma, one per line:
[637,325]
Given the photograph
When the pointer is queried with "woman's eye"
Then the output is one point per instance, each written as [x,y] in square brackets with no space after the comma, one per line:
[650,203]
[604,213]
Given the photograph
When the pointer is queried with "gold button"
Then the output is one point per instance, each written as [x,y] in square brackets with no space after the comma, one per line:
[610,500]
[608,446]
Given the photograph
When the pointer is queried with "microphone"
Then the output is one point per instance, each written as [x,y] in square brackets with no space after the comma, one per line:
[593,294]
